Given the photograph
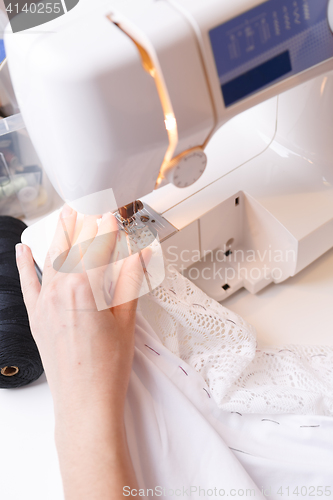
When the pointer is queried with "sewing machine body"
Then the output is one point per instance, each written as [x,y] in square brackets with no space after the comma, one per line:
[263,209]
[274,209]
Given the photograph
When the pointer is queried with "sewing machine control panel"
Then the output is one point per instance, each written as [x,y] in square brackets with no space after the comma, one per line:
[272,42]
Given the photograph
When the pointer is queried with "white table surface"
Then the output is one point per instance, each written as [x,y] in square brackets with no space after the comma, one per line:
[298,311]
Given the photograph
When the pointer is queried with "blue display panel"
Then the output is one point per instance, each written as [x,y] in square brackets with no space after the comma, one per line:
[269,43]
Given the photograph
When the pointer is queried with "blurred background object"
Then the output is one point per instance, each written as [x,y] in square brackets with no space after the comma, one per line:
[8,102]
[25,190]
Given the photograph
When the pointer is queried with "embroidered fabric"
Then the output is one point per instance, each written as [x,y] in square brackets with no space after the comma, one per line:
[221,346]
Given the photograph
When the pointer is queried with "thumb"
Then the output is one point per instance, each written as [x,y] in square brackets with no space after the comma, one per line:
[28,277]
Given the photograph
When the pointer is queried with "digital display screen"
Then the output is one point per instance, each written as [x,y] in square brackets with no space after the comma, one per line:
[271,42]
[256,78]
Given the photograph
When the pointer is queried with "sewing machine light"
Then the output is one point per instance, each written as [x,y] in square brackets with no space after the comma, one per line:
[170,122]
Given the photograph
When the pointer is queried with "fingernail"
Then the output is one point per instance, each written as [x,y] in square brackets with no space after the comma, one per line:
[66,211]
[19,249]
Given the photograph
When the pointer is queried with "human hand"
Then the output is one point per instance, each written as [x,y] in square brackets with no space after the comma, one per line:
[87,354]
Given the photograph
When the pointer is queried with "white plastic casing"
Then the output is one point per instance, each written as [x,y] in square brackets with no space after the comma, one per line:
[330,14]
[284,213]
[93,113]
[205,15]
[172,43]
[274,163]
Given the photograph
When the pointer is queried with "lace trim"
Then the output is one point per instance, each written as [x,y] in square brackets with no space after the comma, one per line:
[221,346]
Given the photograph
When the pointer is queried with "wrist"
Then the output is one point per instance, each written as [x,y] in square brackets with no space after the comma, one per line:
[90,412]
[89,432]
[93,447]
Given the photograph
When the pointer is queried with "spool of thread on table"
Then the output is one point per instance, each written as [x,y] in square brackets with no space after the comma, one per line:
[20,362]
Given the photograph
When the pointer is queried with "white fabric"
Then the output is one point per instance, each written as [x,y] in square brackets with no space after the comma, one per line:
[179,438]
[221,346]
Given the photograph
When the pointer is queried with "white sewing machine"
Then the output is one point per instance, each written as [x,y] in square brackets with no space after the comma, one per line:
[99,120]
[124,101]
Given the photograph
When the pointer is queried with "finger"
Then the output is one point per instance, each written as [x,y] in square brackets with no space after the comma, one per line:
[61,244]
[88,230]
[128,286]
[74,261]
[78,227]
[100,251]
[28,277]
[101,261]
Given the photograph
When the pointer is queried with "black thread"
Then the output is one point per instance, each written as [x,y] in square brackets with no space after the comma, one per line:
[240,451]
[199,305]
[152,349]
[268,420]
[182,369]
[312,426]
[17,346]
[207,392]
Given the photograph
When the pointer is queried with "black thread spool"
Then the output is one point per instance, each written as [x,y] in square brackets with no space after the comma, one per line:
[20,362]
